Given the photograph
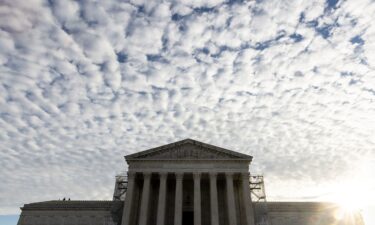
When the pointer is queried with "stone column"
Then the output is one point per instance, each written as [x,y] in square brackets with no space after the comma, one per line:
[128,209]
[162,199]
[145,199]
[249,211]
[214,203]
[197,199]
[230,198]
[178,200]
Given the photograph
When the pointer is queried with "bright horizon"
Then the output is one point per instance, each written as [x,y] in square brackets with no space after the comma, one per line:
[83,83]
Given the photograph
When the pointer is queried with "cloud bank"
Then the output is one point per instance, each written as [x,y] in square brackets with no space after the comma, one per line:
[83,83]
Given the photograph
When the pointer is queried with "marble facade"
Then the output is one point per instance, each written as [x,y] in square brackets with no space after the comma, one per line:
[188,182]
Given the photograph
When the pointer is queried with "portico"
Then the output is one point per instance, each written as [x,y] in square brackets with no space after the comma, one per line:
[186,183]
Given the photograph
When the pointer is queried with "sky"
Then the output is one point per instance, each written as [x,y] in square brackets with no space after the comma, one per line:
[83,83]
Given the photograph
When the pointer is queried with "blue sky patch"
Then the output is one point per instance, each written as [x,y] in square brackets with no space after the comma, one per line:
[296,37]
[200,10]
[122,57]
[156,58]
[8,219]
[357,40]
[331,4]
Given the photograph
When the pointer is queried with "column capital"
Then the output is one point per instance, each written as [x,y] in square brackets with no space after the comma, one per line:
[147,174]
[131,174]
[179,175]
[229,174]
[163,174]
[197,175]
[212,174]
[245,174]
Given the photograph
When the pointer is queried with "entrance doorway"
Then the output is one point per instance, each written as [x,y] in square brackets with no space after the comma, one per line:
[188,218]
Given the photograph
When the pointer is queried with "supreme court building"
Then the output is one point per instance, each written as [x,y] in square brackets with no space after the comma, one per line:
[184,183]
[188,183]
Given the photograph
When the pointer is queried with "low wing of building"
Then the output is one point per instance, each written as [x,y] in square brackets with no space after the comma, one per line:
[71,213]
[110,212]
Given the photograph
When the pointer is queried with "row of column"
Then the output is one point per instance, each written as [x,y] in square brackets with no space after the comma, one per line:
[178,199]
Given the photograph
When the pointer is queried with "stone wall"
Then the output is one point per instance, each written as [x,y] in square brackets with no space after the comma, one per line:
[66,217]
[71,213]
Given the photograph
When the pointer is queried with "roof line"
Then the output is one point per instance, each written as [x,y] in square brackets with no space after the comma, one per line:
[188,140]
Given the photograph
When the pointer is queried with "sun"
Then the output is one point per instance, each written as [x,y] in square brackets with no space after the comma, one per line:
[349,203]
[355,196]
[348,198]
[349,206]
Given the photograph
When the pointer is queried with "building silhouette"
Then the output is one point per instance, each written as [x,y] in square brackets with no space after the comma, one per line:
[186,183]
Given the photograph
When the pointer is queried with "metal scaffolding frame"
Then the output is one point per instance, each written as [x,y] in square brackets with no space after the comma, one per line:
[258,195]
[121,185]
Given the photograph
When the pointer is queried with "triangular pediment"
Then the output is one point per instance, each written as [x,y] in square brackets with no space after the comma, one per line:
[188,149]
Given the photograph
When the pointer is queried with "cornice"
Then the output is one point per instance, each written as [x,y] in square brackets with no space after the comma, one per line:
[70,205]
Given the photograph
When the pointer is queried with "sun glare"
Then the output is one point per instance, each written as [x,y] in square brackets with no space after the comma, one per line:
[350,205]
[354,207]
[356,194]
[349,199]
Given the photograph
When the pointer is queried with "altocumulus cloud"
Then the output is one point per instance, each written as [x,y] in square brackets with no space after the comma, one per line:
[83,83]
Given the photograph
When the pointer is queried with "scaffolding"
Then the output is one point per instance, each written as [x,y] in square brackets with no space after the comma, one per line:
[121,186]
[258,196]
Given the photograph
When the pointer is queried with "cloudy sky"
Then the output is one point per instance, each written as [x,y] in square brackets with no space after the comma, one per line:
[83,83]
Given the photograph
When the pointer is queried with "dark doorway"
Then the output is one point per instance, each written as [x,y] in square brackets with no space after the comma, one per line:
[188,218]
